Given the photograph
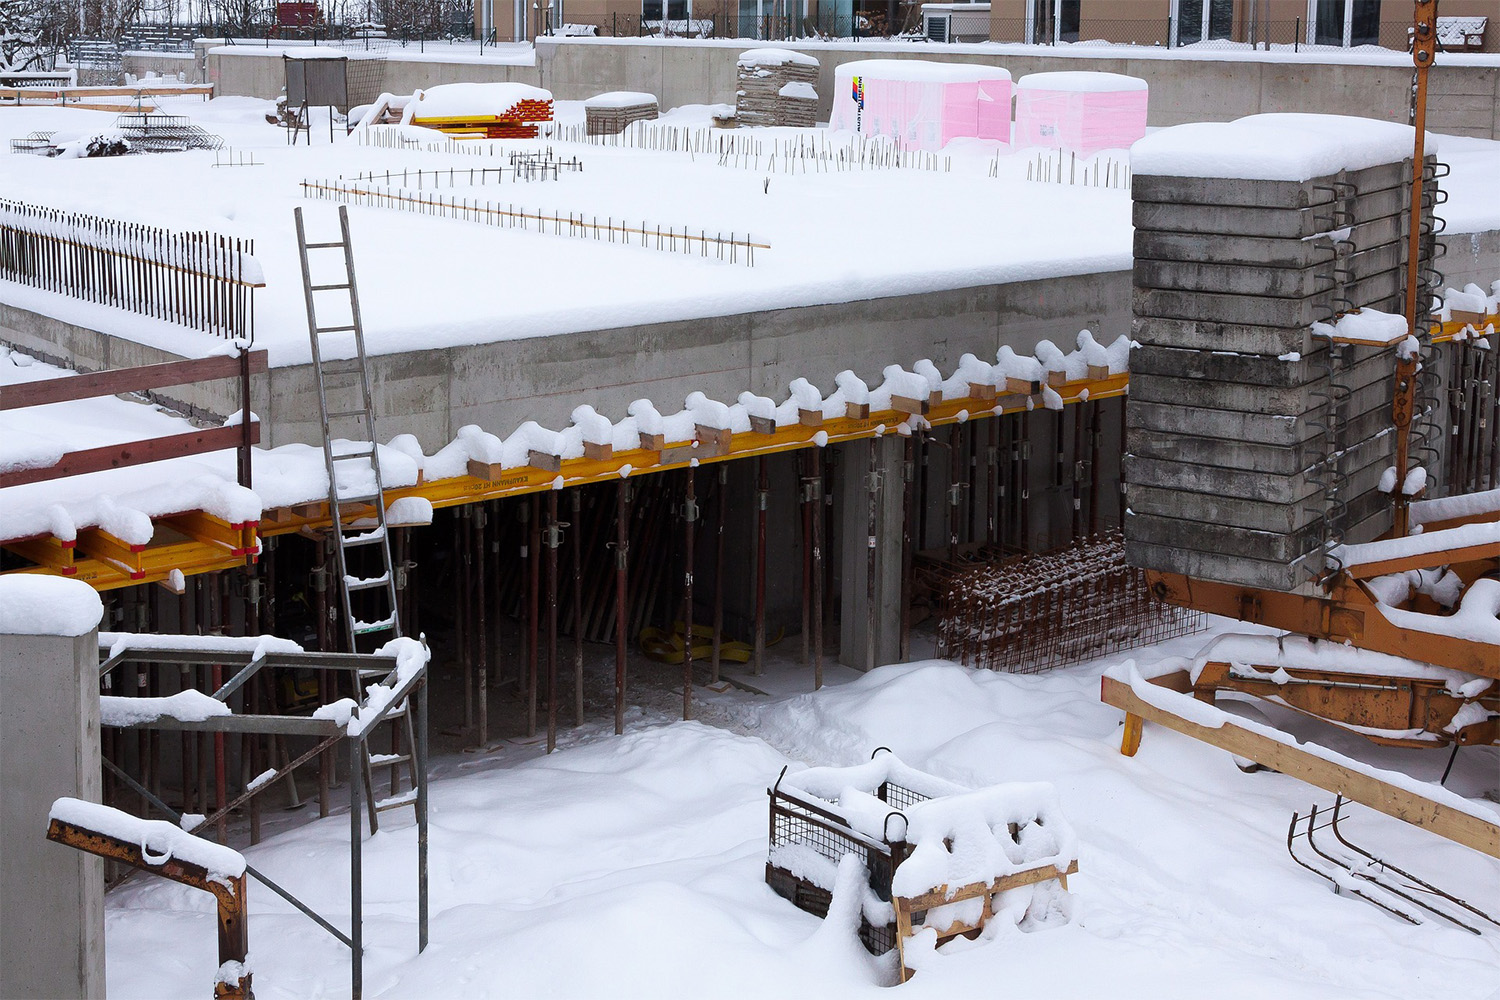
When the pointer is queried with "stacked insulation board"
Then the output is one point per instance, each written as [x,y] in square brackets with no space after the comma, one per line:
[1254,440]
[777,87]
[612,113]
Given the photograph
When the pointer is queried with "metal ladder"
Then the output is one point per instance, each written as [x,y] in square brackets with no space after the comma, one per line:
[361,495]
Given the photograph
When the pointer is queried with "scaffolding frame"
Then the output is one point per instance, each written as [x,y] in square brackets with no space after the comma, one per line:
[327,732]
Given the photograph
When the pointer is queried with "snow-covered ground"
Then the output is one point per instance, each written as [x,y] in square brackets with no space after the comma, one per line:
[634,866]
[834,235]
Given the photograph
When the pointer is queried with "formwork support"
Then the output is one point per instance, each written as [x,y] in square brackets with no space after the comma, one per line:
[577,550]
[552,541]
[762,502]
[622,607]
[873,508]
[689,520]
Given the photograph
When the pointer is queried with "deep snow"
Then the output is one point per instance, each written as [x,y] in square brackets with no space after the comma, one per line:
[633,866]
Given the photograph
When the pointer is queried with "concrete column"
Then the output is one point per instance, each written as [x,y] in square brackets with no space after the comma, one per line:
[853,490]
[51,897]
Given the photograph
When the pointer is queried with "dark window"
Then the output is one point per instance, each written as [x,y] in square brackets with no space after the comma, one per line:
[677,10]
[1221,18]
[1364,23]
[1067,20]
[1330,22]
[651,10]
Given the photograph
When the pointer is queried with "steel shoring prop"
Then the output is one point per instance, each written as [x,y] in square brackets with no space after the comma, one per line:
[622,607]
[689,520]
[577,561]
[533,609]
[718,570]
[552,541]
[819,514]
[481,637]
[762,501]
[872,490]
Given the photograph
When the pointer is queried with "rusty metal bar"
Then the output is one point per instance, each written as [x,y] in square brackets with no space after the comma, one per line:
[228,891]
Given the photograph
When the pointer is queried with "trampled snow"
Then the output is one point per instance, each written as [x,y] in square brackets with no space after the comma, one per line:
[634,866]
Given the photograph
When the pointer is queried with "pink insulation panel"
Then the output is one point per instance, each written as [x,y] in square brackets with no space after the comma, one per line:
[1082,112]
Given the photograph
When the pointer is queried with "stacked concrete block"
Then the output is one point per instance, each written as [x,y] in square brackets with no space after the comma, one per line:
[1252,444]
[612,113]
[777,87]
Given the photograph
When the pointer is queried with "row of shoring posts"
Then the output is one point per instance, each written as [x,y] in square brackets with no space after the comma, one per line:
[192,278]
[1473,452]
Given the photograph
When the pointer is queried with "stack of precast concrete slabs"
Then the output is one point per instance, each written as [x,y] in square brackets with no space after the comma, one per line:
[1252,443]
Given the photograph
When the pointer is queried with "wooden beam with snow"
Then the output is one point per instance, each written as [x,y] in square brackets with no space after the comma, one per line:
[118,380]
[117,456]
[1327,770]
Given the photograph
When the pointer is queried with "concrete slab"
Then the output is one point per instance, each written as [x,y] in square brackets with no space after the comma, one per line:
[1271,194]
[1382,291]
[1222,567]
[1204,275]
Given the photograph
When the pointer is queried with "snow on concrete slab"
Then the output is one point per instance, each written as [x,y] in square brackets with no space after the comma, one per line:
[33,604]
[620,99]
[1278,147]
[1081,82]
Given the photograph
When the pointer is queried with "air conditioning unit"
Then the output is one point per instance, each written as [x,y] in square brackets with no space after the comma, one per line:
[956,22]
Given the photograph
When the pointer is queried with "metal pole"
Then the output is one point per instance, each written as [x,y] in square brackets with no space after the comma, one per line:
[463,606]
[533,609]
[481,639]
[356,870]
[622,549]
[421,752]
[552,541]
[1424,48]
[806,562]
[719,569]
[762,497]
[577,499]
[908,476]
[872,488]
[689,516]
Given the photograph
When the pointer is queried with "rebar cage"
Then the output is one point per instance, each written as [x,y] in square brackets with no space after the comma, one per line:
[1031,613]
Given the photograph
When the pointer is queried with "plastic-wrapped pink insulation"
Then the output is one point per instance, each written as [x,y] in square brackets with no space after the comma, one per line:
[1082,112]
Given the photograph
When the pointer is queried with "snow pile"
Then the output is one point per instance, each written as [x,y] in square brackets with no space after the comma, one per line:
[1274,147]
[159,841]
[34,604]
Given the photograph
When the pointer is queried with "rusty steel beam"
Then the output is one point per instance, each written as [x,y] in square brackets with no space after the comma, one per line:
[228,893]
[119,456]
[118,380]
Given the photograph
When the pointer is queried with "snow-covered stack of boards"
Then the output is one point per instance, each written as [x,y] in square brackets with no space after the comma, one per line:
[1250,444]
[777,87]
[612,113]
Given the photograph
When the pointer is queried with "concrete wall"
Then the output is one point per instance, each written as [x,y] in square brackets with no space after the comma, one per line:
[51,897]
[1463,99]
[498,386]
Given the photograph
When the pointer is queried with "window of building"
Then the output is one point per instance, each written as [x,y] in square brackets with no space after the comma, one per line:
[1201,20]
[1344,22]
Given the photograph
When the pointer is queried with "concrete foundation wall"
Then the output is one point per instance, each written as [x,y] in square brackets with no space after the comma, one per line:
[51,897]
[498,386]
[1463,99]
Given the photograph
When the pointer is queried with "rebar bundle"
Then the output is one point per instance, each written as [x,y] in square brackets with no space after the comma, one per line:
[1039,611]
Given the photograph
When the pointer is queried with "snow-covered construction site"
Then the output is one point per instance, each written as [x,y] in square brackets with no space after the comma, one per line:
[913,528]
